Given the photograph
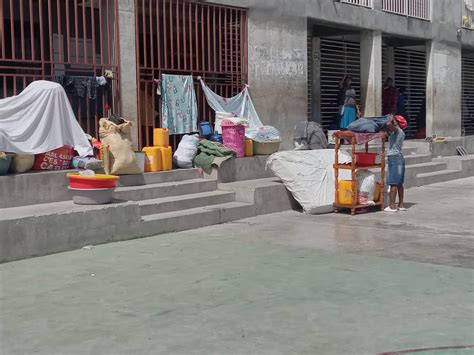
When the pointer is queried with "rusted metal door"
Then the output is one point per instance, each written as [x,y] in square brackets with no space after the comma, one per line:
[187,38]
[44,39]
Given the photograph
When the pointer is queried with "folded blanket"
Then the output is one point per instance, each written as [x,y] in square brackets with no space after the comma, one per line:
[208,152]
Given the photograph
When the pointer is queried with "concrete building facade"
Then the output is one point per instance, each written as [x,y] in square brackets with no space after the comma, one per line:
[291,53]
[280,62]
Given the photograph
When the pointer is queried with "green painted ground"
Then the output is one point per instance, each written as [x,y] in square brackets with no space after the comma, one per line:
[185,294]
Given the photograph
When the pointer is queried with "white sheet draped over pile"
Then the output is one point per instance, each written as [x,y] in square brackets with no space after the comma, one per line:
[39,120]
[309,176]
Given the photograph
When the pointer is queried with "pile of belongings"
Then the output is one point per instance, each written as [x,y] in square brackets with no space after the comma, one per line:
[39,130]
[369,124]
[309,136]
[309,176]
[40,119]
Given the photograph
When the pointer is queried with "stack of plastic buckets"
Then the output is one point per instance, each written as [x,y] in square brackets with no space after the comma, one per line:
[160,156]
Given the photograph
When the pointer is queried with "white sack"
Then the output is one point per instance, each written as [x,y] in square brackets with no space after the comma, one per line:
[187,150]
[309,176]
[39,120]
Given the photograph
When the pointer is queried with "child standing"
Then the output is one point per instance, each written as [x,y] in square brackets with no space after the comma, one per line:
[396,162]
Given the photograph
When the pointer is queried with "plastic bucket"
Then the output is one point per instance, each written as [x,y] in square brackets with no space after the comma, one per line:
[5,164]
[265,148]
[365,159]
[92,196]
[141,158]
[233,138]
[98,181]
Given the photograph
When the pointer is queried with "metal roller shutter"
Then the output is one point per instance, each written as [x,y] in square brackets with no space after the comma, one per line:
[410,72]
[338,58]
[468,95]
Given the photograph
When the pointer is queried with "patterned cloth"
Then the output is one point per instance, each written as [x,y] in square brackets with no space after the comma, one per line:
[179,105]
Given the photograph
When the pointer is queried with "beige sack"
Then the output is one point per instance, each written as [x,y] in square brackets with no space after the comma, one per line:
[122,156]
[22,163]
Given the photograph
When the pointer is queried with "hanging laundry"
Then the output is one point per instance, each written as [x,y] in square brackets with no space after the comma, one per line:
[101,80]
[240,105]
[80,86]
[179,105]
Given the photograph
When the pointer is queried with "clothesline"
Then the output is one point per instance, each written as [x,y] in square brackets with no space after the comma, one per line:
[198,78]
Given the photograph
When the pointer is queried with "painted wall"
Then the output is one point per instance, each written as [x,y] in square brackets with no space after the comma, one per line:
[277,70]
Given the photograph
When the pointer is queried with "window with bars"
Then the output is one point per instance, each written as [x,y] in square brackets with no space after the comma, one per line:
[468,96]
[187,38]
[41,39]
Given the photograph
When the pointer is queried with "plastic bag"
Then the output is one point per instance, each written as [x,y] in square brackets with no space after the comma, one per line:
[187,150]
[366,184]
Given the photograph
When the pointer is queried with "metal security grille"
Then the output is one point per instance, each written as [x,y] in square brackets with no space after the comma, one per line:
[364,3]
[187,38]
[338,58]
[310,77]
[468,96]
[41,39]
[410,72]
[420,9]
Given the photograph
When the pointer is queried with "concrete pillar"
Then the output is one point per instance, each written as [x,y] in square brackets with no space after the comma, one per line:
[443,89]
[278,69]
[371,72]
[390,64]
[128,65]
[316,89]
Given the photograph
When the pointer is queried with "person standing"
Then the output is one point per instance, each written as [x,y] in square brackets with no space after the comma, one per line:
[347,102]
[396,163]
[389,98]
[402,99]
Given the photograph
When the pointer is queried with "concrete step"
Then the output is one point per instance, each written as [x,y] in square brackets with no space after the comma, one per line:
[438,176]
[269,195]
[160,177]
[411,159]
[195,218]
[177,203]
[426,167]
[147,192]
[44,229]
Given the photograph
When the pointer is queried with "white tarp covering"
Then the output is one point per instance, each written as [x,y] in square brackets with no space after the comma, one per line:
[309,176]
[240,105]
[39,120]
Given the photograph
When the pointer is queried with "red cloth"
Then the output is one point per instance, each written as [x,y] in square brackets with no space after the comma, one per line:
[401,121]
[390,100]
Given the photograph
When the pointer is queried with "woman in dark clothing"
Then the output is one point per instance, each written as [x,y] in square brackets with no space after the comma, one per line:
[389,97]
[402,98]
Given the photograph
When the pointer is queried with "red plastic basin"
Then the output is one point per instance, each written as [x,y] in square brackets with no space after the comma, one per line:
[365,159]
[99,181]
